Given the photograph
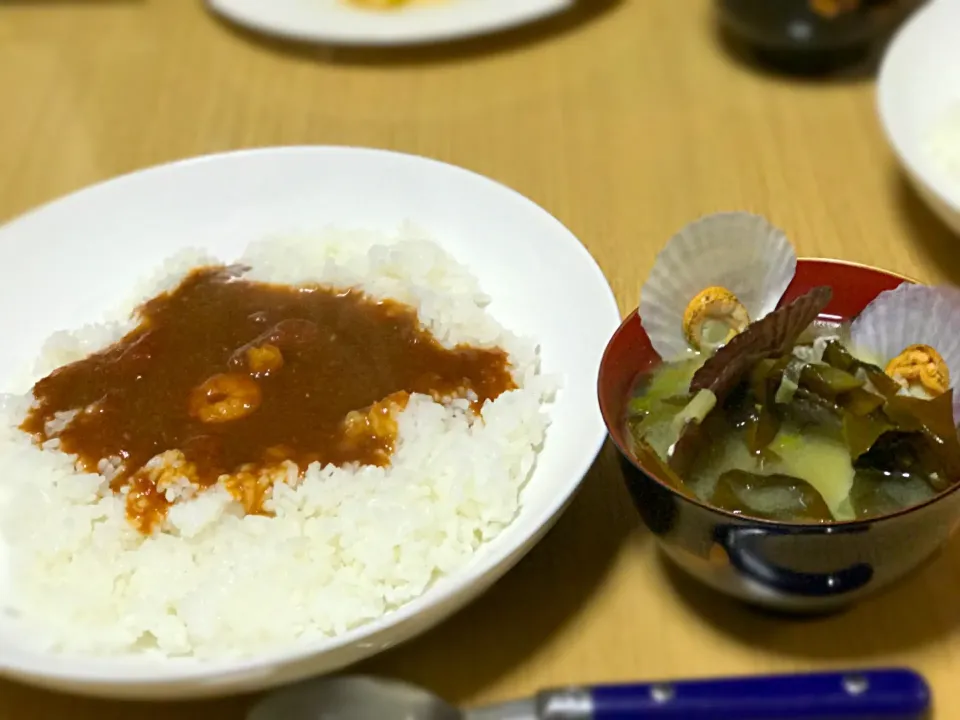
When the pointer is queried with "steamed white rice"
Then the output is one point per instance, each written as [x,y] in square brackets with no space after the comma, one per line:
[942,143]
[345,546]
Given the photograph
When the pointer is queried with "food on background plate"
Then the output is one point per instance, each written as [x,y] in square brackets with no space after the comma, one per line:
[283,448]
[386,4]
[792,416]
[378,4]
[834,8]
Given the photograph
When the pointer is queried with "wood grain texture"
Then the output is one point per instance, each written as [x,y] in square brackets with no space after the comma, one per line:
[625,120]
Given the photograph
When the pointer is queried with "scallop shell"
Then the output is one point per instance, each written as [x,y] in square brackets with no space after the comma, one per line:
[909,315]
[738,251]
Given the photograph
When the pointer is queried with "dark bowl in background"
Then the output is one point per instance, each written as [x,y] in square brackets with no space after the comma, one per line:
[791,567]
[789,35]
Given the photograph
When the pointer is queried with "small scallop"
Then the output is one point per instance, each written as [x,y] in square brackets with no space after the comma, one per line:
[913,332]
[713,318]
[736,268]
[921,371]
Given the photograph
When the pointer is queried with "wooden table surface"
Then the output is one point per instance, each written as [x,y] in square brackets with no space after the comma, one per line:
[623,119]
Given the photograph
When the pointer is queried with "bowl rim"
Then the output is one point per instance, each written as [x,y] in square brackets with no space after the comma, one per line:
[171,679]
[832,526]
[884,102]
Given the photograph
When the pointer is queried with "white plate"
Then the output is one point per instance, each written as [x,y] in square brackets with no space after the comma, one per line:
[337,23]
[68,262]
[919,82]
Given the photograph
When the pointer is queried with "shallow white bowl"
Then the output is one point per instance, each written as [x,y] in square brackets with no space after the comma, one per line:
[337,23]
[919,82]
[68,262]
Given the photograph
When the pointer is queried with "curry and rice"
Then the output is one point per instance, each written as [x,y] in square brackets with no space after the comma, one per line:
[280,449]
[230,381]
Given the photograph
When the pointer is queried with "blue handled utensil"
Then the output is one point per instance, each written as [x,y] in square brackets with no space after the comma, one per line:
[881,694]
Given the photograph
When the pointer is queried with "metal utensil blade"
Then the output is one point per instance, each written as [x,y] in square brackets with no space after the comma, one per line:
[514,710]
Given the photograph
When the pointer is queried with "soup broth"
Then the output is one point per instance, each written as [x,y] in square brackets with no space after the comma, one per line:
[814,436]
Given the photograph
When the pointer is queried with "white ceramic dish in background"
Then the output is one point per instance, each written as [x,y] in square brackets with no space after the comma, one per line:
[65,263]
[919,82]
[335,22]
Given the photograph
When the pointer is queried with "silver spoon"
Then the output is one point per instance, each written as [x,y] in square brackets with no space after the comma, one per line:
[893,694]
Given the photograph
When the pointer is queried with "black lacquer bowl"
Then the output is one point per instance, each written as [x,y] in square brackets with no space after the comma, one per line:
[788,567]
[791,35]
